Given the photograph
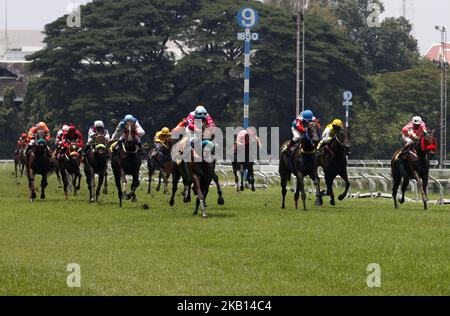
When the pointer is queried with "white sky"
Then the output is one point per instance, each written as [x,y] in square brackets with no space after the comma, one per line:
[425,14]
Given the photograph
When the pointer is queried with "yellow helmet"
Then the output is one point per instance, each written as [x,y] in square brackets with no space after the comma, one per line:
[338,123]
[165,131]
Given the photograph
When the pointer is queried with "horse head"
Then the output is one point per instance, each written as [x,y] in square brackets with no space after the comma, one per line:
[74,151]
[311,139]
[428,144]
[130,138]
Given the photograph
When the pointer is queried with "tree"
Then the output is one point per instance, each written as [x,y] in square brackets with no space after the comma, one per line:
[9,121]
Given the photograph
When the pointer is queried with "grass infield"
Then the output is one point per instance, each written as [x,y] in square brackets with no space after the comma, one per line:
[249,246]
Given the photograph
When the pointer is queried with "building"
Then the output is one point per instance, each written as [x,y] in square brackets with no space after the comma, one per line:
[435,51]
[13,50]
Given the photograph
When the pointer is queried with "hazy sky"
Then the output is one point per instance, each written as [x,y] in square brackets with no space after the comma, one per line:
[425,14]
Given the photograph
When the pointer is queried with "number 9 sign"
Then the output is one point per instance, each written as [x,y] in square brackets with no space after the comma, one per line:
[248,18]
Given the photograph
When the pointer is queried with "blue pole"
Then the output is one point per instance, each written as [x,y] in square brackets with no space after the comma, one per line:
[247,77]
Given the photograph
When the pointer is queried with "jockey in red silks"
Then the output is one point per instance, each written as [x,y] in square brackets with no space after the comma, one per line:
[21,142]
[413,131]
[72,136]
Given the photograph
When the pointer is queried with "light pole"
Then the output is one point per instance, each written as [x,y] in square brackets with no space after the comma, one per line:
[300,96]
[443,65]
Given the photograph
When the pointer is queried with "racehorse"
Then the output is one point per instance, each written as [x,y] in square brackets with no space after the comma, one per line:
[19,162]
[38,161]
[198,174]
[301,160]
[69,166]
[96,162]
[126,160]
[160,159]
[243,167]
[415,165]
[333,161]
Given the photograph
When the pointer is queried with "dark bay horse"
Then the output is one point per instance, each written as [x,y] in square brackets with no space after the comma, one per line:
[160,161]
[244,166]
[96,162]
[301,160]
[69,166]
[38,161]
[126,160]
[199,174]
[19,162]
[415,165]
[333,161]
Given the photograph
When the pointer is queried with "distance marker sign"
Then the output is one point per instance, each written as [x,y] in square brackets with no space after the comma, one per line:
[248,18]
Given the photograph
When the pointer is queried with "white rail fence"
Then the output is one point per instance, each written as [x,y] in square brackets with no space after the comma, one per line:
[369,178]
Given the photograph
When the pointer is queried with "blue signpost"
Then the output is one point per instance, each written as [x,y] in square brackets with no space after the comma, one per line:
[247,18]
[347,103]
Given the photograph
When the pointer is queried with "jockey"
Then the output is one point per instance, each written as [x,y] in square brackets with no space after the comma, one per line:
[245,136]
[208,125]
[413,131]
[162,138]
[119,135]
[298,127]
[59,134]
[98,129]
[21,142]
[330,132]
[33,132]
[72,136]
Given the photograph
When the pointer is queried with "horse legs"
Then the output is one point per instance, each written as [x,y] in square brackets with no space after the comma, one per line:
[316,181]
[150,175]
[15,167]
[118,180]
[158,187]
[423,184]
[343,174]
[236,178]
[220,199]
[105,188]
[90,181]
[65,181]
[200,197]
[404,187]
[165,177]
[329,183]
[101,178]
[242,172]
[31,184]
[300,188]
[44,184]
[175,179]
[251,176]
[283,191]
[187,191]
[134,186]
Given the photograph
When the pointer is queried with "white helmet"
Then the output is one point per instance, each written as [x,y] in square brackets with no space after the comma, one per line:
[417,120]
[65,127]
[99,124]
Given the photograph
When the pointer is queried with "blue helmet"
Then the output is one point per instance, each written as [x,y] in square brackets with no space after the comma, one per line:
[130,118]
[201,113]
[307,115]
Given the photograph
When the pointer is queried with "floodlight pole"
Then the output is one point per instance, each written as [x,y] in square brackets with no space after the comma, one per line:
[300,86]
[443,121]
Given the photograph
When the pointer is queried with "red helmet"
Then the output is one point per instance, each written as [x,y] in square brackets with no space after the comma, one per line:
[72,129]
[23,135]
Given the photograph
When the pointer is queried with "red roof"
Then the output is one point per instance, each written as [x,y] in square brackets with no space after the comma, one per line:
[435,51]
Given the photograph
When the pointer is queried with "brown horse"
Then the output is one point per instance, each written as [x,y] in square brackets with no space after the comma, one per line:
[333,161]
[96,162]
[415,165]
[301,160]
[161,161]
[19,162]
[244,167]
[69,165]
[199,174]
[126,160]
[38,161]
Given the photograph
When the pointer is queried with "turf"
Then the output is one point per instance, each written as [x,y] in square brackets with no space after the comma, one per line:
[249,246]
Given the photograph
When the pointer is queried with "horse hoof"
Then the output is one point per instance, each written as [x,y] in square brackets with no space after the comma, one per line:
[283,207]
[341,197]
[319,202]
[242,188]
[195,213]
[33,196]
[42,196]
[204,216]
[220,201]
[187,200]
[402,201]
[253,189]
[91,200]
[332,202]
[134,199]
[105,192]
[171,202]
